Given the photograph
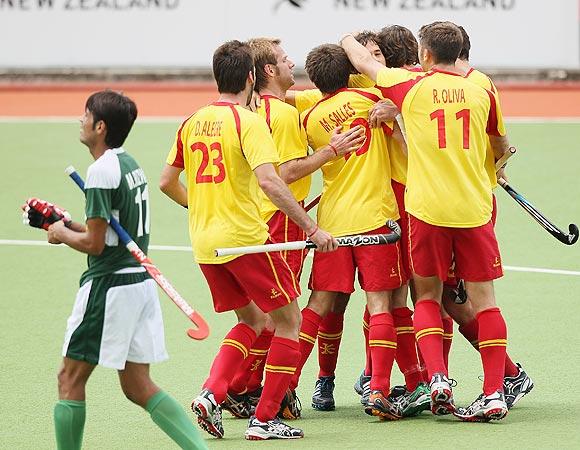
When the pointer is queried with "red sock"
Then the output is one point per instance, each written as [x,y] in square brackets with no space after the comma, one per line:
[369,361]
[281,363]
[232,353]
[422,365]
[447,339]
[308,331]
[406,355]
[429,332]
[249,377]
[492,347]
[470,332]
[329,336]
[383,345]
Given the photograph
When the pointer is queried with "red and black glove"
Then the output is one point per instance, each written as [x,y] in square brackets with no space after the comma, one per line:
[41,214]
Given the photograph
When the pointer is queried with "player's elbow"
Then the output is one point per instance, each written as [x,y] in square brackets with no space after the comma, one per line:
[95,248]
[165,185]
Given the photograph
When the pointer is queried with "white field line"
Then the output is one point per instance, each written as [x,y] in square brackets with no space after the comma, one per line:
[185,248]
[179,119]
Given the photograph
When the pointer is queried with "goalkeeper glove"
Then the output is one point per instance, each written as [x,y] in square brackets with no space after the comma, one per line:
[41,214]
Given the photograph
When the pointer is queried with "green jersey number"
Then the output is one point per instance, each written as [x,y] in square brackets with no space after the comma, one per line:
[140,198]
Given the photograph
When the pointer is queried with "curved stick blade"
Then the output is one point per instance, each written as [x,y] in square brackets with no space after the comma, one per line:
[202,330]
[573,236]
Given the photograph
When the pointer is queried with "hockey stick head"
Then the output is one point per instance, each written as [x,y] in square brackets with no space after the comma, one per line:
[395,228]
[573,236]
[202,330]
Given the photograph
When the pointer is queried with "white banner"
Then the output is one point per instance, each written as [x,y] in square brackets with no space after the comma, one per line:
[181,33]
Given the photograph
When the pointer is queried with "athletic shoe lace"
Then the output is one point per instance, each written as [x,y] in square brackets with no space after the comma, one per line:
[326,387]
[279,428]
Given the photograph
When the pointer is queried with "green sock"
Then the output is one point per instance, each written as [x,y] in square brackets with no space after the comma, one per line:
[170,417]
[69,423]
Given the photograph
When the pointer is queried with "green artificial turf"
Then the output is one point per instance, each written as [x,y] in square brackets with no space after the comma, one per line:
[39,284]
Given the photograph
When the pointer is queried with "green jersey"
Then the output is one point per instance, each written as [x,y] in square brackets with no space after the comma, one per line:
[117,187]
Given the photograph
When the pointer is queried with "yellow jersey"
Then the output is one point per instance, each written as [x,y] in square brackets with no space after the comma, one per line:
[284,124]
[447,119]
[481,79]
[219,147]
[356,196]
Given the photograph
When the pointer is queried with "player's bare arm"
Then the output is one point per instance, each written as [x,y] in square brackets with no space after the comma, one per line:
[278,192]
[171,186]
[360,57]
[90,241]
[340,144]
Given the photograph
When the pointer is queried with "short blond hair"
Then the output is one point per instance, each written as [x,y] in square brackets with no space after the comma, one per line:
[263,52]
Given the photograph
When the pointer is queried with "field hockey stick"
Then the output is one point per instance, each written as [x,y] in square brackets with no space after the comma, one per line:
[346,241]
[313,203]
[566,238]
[202,330]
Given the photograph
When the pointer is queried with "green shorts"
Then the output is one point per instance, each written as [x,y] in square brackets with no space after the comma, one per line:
[116,318]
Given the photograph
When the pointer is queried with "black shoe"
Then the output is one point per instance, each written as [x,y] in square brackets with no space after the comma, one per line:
[516,387]
[254,397]
[238,405]
[322,399]
[290,408]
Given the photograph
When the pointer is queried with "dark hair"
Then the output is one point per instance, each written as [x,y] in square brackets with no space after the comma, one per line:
[366,36]
[328,67]
[263,53]
[117,111]
[399,46]
[232,62]
[464,53]
[443,39]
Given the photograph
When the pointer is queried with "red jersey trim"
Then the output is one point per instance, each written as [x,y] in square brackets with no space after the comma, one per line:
[492,117]
[178,161]
[266,99]
[238,124]
[447,72]
[471,69]
[397,92]
[387,129]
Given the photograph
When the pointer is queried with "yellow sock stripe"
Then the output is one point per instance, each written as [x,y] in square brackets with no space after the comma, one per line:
[428,331]
[237,345]
[447,335]
[382,343]
[280,369]
[394,346]
[493,343]
[257,351]
[365,325]
[330,336]
[405,330]
[307,337]
[276,277]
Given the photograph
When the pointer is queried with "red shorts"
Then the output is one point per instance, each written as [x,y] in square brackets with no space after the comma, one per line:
[452,280]
[379,268]
[282,229]
[264,278]
[399,190]
[433,249]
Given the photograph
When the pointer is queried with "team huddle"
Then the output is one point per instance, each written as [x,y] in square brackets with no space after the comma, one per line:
[392,140]
[402,130]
